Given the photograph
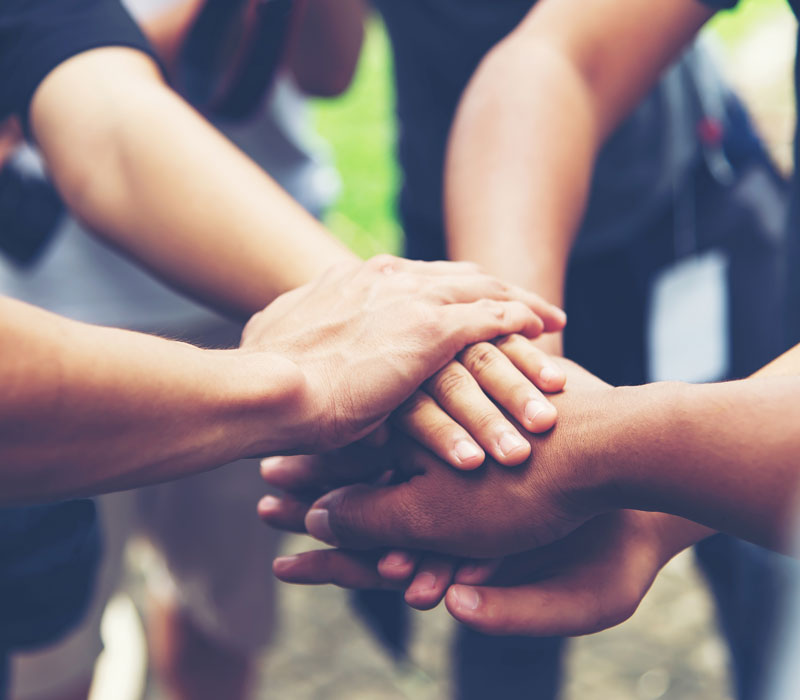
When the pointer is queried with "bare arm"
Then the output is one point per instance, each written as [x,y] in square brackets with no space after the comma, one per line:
[159,182]
[532,121]
[725,455]
[88,409]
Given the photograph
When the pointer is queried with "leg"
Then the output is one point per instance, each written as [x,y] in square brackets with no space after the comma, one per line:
[64,671]
[213,611]
[507,667]
[217,612]
[190,663]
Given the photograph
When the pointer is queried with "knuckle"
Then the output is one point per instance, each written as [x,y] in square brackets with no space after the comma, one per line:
[412,408]
[480,358]
[445,432]
[447,384]
[383,263]
[494,308]
[487,421]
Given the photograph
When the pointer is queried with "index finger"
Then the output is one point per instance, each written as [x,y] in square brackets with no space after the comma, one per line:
[357,570]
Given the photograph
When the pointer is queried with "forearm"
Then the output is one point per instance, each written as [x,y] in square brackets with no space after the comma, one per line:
[87,409]
[724,455]
[153,178]
[515,187]
[533,119]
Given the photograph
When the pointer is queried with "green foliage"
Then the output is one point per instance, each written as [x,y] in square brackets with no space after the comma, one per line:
[360,127]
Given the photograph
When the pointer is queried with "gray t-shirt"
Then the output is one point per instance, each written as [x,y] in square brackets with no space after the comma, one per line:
[81,278]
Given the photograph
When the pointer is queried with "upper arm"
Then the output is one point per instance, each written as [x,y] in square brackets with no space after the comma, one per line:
[37,36]
[78,112]
[617,48]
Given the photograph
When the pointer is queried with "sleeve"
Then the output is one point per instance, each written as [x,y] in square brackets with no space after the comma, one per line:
[38,35]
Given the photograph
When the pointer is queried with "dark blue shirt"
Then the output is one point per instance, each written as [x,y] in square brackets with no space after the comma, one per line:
[38,35]
[437,46]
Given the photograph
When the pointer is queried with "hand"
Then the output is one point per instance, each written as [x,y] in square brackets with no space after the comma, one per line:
[365,336]
[455,419]
[490,513]
[592,580]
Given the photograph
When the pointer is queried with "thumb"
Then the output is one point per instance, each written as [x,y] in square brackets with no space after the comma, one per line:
[364,517]
[563,606]
[538,610]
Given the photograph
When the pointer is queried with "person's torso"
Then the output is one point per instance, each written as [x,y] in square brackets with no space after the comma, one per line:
[83,279]
[437,46]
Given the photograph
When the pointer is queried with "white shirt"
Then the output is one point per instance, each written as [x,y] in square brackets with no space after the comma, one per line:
[81,278]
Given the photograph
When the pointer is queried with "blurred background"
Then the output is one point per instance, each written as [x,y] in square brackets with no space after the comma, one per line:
[669,649]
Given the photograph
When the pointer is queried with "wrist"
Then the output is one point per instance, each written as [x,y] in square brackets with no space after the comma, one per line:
[258,398]
[642,424]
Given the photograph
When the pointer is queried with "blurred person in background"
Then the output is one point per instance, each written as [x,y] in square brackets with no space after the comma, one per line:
[155,180]
[684,221]
[218,611]
[589,69]
[682,235]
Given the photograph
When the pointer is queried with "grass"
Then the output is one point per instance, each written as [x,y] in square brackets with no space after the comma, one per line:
[360,128]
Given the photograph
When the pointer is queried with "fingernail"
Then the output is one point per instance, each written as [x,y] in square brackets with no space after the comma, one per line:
[466,451]
[270,462]
[318,526]
[285,561]
[396,559]
[533,409]
[425,581]
[268,503]
[561,315]
[510,442]
[549,374]
[466,597]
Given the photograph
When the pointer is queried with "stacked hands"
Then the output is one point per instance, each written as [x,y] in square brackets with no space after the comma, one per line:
[366,336]
[531,542]
[538,549]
